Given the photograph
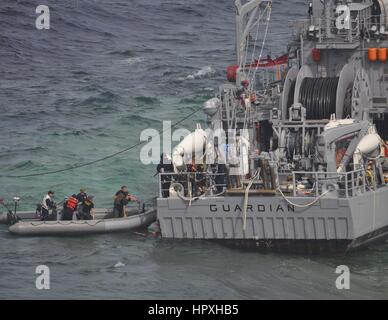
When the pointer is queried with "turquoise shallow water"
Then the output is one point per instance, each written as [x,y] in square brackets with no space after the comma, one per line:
[87,88]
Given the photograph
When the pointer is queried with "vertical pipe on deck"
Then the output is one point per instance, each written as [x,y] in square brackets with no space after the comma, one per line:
[160,186]
[293,183]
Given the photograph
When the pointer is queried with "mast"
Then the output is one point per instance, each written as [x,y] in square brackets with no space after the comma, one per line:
[246,20]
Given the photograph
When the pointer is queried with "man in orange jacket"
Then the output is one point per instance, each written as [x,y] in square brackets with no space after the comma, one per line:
[69,208]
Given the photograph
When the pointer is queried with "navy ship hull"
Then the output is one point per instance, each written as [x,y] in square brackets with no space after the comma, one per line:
[271,223]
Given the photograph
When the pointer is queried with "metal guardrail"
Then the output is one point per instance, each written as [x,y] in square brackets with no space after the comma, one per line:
[326,30]
[196,182]
[327,34]
[347,184]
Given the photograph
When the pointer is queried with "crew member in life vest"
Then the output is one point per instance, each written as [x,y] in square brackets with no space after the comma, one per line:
[69,208]
[47,205]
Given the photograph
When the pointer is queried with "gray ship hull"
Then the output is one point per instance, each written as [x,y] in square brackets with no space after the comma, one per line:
[331,224]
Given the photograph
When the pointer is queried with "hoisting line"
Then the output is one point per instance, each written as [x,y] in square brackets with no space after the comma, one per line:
[101,159]
[246,196]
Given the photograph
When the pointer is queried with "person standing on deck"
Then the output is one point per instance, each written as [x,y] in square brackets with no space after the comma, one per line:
[165,166]
[376,13]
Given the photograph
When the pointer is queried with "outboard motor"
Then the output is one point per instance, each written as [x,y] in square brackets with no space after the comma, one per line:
[38,211]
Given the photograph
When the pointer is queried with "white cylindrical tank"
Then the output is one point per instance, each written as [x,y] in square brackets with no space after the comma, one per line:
[192,144]
[369,145]
[244,156]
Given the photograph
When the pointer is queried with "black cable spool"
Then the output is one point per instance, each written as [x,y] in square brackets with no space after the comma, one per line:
[319,97]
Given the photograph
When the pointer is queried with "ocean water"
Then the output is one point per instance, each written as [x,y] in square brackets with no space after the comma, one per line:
[86,88]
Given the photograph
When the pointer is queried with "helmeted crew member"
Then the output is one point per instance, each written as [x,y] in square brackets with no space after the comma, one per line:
[123,191]
[121,199]
[85,211]
[70,206]
[81,197]
[47,204]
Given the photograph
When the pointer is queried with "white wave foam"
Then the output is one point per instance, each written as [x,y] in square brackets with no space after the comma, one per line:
[135,60]
[202,73]
[119,265]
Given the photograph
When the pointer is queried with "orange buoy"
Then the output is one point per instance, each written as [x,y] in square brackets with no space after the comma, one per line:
[372,54]
[382,54]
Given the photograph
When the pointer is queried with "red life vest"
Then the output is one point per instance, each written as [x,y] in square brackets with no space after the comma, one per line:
[72,203]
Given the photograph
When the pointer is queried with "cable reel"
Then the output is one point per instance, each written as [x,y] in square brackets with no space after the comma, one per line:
[319,96]
[322,97]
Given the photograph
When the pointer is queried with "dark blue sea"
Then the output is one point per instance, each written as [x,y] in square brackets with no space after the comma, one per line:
[86,88]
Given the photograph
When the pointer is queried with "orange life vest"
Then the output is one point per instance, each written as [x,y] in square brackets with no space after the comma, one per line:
[72,203]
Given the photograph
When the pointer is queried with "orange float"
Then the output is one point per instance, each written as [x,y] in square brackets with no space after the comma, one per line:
[372,54]
[382,54]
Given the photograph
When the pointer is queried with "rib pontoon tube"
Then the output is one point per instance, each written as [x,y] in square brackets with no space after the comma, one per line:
[82,227]
[23,215]
[3,218]
[100,213]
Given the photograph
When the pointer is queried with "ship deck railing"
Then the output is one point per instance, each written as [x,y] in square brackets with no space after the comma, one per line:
[327,35]
[193,183]
[346,184]
[325,31]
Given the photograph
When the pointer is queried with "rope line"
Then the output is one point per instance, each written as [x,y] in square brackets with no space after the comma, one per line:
[303,205]
[268,11]
[269,8]
[246,196]
[74,167]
